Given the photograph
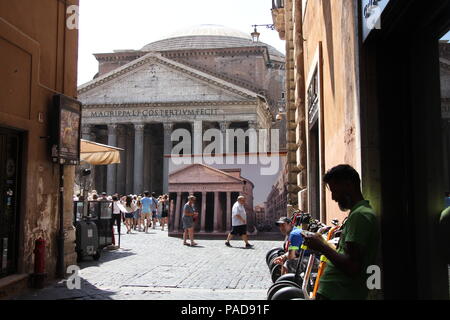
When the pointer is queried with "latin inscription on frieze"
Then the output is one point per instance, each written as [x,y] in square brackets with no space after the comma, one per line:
[147,113]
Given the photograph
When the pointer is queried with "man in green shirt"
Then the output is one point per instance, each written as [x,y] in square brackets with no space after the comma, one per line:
[345,276]
[444,234]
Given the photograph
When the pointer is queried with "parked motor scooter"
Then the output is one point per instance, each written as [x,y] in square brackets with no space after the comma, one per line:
[305,293]
[295,279]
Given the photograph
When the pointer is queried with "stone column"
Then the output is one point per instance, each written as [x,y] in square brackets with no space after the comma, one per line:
[252,138]
[92,178]
[100,171]
[167,151]
[228,211]
[224,125]
[121,167]
[171,215]
[112,168]
[252,124]
[216,211]
[176,223]
[148,150]
[86,130]
[129,160]
[197,149]
[203,214]
[138,176]
[87,133]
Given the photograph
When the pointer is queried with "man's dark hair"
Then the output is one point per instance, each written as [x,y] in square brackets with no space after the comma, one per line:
[153,194]
[447,194]
[343,172]
[146,193]
[114,198]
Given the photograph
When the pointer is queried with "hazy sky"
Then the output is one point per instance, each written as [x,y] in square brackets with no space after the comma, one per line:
[107,25]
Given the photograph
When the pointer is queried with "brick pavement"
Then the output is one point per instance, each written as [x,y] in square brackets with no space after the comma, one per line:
[155,266]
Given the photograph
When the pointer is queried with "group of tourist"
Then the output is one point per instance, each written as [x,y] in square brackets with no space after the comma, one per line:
[137,212]
[141,212]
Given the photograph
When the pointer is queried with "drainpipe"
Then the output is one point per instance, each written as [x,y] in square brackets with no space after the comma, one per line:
[60,272]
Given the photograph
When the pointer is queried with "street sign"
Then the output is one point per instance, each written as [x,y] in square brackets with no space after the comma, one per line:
[66,150]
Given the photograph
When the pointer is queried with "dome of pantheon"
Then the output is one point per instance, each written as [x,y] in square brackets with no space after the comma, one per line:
[208,36]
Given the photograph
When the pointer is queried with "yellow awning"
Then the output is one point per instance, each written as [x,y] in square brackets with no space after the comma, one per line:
[99,154]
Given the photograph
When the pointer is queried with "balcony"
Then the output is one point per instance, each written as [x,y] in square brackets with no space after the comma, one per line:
[277,4]
[278,17]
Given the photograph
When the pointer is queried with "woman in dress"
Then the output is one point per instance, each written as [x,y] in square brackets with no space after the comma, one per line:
[189,212]
[130,208]
[160,209]
[137,214]
[165,211]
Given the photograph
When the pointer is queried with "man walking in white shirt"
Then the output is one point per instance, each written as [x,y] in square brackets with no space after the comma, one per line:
[239,222]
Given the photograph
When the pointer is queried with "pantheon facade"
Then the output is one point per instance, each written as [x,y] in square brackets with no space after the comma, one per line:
[201,77]
[216,191]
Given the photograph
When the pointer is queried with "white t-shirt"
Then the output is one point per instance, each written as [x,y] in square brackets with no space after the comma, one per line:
[238,209]
[116,208]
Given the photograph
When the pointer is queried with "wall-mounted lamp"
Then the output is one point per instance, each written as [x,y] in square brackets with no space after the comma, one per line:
[255,34]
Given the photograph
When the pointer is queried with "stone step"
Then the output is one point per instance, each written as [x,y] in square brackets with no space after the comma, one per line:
[13,285]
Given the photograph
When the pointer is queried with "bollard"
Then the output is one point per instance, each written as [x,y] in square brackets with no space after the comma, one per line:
[39,275]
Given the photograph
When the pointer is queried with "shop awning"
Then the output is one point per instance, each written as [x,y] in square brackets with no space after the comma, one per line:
[99,154]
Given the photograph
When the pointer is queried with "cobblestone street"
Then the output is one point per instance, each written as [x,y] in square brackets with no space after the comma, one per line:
[155,266]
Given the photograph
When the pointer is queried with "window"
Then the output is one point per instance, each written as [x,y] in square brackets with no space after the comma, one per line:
[313,98]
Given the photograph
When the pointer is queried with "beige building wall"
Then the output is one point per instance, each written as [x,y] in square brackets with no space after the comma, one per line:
[330,26]
[38,58]
[321,34]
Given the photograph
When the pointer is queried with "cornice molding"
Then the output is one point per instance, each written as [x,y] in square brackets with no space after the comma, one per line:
[233,51]
[170,104]
[119,56]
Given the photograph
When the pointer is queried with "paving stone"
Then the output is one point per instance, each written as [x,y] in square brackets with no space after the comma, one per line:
[155,266]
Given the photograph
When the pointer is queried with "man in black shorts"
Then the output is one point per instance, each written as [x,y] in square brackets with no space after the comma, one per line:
[239,222]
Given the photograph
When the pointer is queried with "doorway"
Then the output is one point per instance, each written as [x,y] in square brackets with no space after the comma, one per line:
[314,109]
[10,169]
[402,107]
[314,172]
[444,67]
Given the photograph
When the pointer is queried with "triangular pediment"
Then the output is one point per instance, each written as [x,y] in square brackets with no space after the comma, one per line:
[155,79]
[201,174]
